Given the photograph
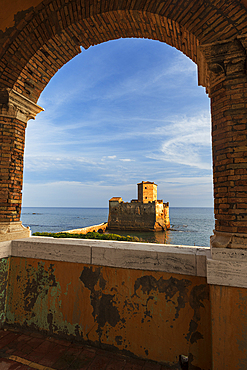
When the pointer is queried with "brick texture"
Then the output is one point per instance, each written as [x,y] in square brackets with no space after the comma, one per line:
[47,36]
[228,92]
[12,141]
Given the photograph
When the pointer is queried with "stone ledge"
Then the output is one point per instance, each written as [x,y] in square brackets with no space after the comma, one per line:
[51,249]
[228,240]
[229,254]
[141,256]
[155,257]
[227,273]
[13,230]
[15,105]
[227,267]
[5,249]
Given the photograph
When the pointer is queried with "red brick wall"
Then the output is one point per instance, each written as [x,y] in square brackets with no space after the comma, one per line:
[12,141]
[45,37]
[229,117]
[42,38]
[228,92]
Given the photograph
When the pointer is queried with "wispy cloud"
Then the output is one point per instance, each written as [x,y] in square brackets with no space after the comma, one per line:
[157,78]
[119,113]
[188,142]
[94,80]
[48,162]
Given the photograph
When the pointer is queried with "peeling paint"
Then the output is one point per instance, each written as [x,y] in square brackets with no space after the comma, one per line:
[198,294]
[90,277]
[35,297]
[229,329]
[147,314]
[104,308]
[4,268]
[119,339]
[38,284]
[190,363]
[169,287]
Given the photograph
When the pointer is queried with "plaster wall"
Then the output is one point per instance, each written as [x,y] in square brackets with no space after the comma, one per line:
[151,303]
[229,327]
[4,271]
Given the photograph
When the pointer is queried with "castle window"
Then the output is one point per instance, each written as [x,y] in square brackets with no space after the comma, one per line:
[146,197]
[145,187]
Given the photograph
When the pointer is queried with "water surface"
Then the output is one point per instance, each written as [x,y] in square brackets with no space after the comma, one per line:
[189,226]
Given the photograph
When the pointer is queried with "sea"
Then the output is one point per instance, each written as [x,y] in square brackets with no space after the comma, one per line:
[189,226]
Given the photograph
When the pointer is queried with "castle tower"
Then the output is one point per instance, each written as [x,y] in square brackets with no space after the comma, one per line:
[147,191]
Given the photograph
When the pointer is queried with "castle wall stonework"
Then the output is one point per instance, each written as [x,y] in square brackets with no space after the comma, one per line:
[141,215]
[147,192]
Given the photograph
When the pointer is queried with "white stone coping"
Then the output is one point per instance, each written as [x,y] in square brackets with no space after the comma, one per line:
[227,267]
[221,266]
[187,260]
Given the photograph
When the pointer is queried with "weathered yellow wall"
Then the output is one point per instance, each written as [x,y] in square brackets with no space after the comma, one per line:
[229,327]
[152,315]
[4,271]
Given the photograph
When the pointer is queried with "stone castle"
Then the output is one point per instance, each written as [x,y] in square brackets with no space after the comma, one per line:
[143,214]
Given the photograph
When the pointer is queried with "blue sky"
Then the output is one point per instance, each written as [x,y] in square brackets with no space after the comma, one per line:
[119,113]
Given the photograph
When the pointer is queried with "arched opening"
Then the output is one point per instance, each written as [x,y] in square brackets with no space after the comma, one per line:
[38,38]
[119,112]
[46,36]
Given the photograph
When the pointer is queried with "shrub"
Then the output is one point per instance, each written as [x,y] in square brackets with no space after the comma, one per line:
[90,235]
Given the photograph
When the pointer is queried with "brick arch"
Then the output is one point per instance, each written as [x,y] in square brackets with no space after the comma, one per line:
[50,34]
[212,33]
[63,47]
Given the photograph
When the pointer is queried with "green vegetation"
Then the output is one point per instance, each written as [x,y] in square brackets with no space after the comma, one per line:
[90,235]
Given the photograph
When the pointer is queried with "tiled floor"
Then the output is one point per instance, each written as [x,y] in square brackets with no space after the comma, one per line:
[33,351]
